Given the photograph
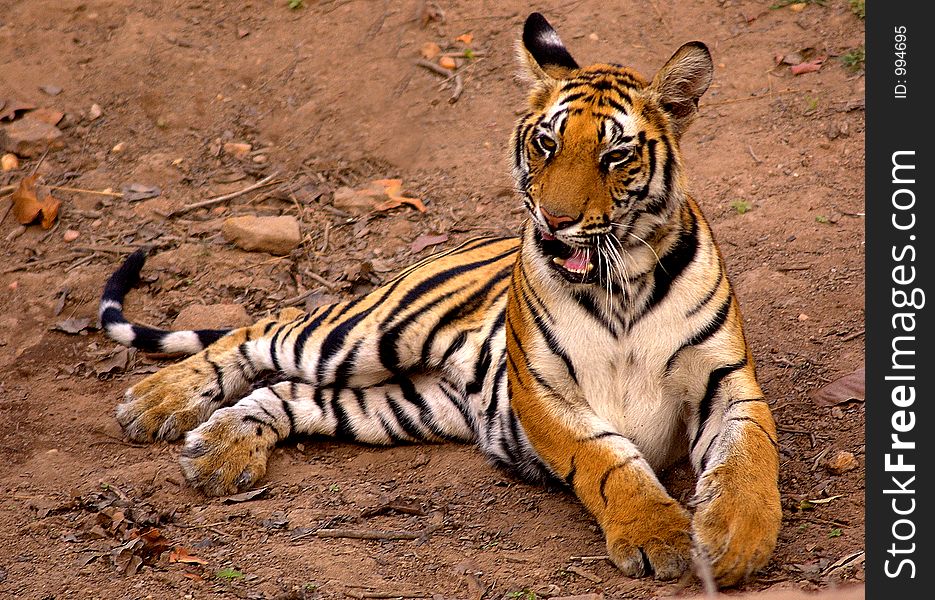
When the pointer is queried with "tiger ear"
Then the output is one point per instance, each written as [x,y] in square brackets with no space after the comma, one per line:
[542,52]
[682,81]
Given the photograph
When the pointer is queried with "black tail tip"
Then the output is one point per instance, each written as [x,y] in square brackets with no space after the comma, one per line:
[126,277]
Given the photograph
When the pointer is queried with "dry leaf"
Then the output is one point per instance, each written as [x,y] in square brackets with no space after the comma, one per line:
[245,496]
[467,38]
[430,50]
[182,555]
[446,62]
[73,326]
[27,206]
[424,241]
[12,106]
[393,189]
[849,388]
[133,192]
[807,67]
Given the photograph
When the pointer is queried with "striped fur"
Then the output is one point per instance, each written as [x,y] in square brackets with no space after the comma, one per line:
[601,346]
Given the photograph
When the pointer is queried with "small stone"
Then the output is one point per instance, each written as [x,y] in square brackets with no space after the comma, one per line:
[447,62]
[29,137]
[797,7]
[95,112]
[276,235]
[841,462]
[70,235]
[9,162]
[119,147]
[593,37]
[260,159]
[237,149]
[836,412]
[212,316]
[52,90]
[803,317]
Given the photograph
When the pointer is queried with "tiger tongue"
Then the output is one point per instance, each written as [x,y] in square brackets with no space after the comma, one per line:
[579,261]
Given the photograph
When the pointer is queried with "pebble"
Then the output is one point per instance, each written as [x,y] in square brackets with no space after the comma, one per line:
[119,147]
[447,62]
[276,235]
[841,462]
[803,317]
[95,112]
[237,149]
[70,235]
[9,162]
[29,137]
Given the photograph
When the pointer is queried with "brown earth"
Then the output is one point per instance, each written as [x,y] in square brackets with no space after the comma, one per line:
[328,95]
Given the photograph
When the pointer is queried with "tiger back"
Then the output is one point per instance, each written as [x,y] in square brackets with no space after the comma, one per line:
[598,348]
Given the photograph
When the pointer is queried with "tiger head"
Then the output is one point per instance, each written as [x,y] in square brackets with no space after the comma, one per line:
[596,155]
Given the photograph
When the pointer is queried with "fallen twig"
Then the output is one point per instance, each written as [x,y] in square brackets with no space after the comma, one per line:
[748,98]
[458,88]
[368,534]
[853,336]
[756,159]
[218,199]
[388,594]
[583,573]
[62,188]
[438,70]
[39,263]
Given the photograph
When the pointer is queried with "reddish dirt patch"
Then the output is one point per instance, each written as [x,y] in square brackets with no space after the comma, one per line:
[329,95]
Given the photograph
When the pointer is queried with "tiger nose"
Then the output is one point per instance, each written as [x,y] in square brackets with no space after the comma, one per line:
[556,222]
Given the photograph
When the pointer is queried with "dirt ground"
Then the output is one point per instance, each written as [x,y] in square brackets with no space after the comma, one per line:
[328,95]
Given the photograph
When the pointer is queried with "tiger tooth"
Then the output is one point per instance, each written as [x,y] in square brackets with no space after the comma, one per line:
[559,261]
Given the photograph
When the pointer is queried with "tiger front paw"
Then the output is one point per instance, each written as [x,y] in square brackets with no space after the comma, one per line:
[228,453]
[656,543]
[737,529]
[170,402]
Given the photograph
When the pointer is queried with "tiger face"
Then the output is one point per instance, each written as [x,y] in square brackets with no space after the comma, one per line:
[596,156]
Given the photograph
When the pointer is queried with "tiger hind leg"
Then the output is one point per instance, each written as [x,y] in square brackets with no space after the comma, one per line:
[180,397]
[229,452]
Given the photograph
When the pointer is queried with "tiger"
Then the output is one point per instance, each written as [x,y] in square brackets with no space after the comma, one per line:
[594,350]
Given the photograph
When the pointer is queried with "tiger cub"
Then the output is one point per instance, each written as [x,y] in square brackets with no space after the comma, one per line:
[599,347]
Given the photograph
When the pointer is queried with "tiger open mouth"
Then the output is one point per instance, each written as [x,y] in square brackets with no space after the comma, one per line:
[577,264]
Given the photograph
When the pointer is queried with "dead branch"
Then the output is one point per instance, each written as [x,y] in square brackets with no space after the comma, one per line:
[218,199]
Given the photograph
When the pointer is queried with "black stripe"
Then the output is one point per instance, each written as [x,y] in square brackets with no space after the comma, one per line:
[218,376]
[412,395]
[570,477]
[761,428]
[403,419]
[671,264]
[529,367]
[394,437]
[460,310]
[745,400]
[344,428]
[586,302]
[601,435]
[335,338]
[389,355]
[707,297]
[704,407]
[285,405]
[608,473]
[703,334]
[298,345]
[551,341]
